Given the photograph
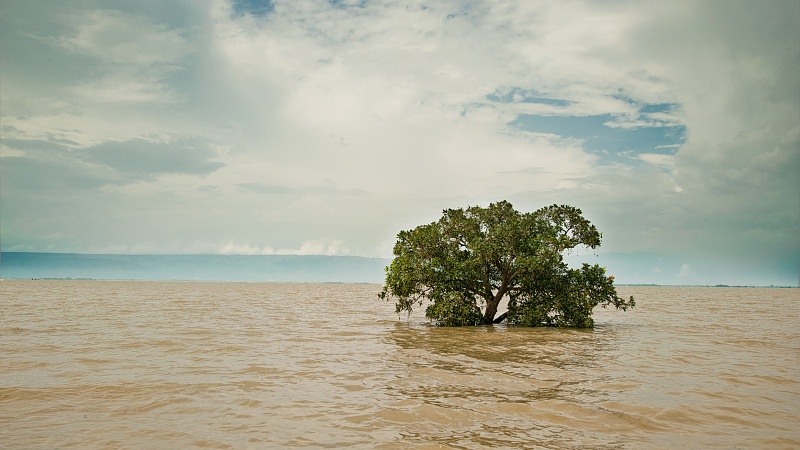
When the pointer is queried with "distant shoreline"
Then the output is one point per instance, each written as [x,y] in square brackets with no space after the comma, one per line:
[222,268]
[356,282]
[199,267]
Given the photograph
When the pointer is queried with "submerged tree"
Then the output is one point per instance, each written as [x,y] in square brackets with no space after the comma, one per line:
[465,264]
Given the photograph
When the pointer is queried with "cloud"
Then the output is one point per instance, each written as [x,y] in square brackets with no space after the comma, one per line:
[266,188]
[327,247]
[126,39]
[27,175]
[125,88]
[142,158]
[43,165]
[232,248]
[657,159]
[672,125]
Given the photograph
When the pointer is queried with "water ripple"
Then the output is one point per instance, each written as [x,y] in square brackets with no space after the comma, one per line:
[94,364]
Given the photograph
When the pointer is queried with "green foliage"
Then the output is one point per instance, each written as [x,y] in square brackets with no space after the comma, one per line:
[454,311]
[464,264]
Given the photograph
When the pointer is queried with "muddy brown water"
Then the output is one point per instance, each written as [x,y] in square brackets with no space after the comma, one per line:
[116,364]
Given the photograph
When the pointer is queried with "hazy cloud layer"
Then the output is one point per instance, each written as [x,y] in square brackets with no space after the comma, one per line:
[316,127]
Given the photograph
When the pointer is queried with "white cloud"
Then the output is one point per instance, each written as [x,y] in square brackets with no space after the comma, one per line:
[353,123]
[113,36]
[233,248]
[685,271]
[127,89]
[658,159]
[327,247]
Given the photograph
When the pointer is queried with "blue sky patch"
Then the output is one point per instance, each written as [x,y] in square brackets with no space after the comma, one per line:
[258,8]
[341,4]
[612,143]
[657,108]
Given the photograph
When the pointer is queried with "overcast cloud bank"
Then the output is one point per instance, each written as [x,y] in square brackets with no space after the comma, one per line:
[315,127]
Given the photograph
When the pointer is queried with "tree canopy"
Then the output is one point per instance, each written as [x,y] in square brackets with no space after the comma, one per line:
[463,265]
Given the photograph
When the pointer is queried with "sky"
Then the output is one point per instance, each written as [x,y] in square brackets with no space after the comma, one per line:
[326,127]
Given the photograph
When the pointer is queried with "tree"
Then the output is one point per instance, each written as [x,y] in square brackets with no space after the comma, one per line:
[464,264]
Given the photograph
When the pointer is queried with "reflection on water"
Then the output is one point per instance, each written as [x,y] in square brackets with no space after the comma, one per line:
[507,386]
[261,365]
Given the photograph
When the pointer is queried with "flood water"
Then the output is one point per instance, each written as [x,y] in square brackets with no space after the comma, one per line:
[115,364]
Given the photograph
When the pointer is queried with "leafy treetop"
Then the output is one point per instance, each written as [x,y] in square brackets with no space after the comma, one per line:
[464,264]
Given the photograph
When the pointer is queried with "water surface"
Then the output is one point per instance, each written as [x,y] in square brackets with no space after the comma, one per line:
[114,364]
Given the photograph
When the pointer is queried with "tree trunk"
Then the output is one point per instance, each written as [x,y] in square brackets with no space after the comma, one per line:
[492,304]
[501,318]
[491,310]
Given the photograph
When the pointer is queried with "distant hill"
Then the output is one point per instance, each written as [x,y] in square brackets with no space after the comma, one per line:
[289,268]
